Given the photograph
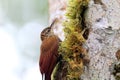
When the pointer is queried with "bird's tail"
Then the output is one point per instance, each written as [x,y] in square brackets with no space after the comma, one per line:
[47,77]
[43,76]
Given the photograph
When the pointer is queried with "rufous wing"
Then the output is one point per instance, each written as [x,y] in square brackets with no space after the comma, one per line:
[48,56]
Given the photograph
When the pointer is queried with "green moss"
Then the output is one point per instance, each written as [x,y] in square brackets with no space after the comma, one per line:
[73,26]
[71,47]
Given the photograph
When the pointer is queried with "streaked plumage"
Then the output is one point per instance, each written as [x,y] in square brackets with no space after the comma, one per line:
[48,52]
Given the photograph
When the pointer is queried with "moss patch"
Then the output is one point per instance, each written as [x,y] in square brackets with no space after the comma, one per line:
[71,47]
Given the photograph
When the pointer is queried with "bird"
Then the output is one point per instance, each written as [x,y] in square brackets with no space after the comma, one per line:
[49,55]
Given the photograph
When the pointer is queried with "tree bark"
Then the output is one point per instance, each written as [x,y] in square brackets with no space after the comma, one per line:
[103,19]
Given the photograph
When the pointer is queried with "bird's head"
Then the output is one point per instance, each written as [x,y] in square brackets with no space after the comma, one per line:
[47,32]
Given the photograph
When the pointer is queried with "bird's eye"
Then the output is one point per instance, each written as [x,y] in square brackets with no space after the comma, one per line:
[48,30]
[81,55]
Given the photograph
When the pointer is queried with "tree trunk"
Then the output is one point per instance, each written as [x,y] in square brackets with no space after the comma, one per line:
[103,19]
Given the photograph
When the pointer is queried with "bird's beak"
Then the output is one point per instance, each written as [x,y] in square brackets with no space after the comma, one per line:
[54,21]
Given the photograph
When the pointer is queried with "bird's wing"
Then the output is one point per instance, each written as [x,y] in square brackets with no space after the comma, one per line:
[49,47]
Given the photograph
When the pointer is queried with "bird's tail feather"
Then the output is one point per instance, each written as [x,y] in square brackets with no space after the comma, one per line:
[43,76]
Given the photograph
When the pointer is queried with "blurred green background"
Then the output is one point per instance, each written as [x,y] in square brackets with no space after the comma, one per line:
[21,22]
[22,11]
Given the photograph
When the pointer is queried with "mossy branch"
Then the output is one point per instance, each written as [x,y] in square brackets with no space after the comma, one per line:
[71,49]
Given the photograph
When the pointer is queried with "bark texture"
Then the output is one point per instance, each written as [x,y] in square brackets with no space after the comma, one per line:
[103,19]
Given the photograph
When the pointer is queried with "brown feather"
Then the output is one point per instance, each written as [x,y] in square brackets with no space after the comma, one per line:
[48,59]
